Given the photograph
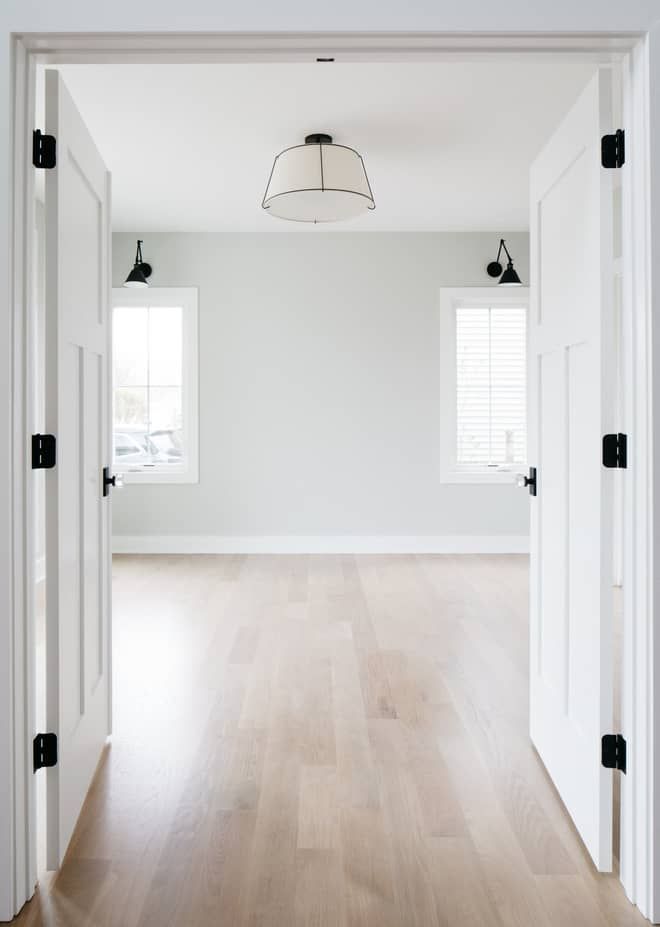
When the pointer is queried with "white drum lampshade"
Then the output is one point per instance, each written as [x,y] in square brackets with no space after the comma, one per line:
[318,182]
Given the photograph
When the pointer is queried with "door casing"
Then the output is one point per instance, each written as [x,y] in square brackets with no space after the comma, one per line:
[638,56]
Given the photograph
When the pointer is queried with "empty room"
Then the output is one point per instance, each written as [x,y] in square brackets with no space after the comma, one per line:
[335,564]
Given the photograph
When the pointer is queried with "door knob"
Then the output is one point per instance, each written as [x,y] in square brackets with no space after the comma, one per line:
[116,481]
[524,481]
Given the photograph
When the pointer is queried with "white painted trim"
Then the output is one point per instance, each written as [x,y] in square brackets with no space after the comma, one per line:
[452,298]
[40,569]
[320,544]
[17,646]
[647,504]
[22,829]
[186,297]
[493,477]
[240,47]
[640,788]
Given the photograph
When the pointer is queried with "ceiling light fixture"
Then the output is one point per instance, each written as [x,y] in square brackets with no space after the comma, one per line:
[138,276]
[509,277]
[318,182]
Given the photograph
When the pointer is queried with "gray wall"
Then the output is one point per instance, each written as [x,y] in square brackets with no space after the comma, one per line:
[319,370]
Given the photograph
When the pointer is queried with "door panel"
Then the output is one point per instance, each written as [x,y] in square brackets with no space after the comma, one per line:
[77,412]
[571,407]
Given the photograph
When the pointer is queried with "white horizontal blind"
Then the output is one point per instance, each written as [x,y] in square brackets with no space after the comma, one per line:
[490,387]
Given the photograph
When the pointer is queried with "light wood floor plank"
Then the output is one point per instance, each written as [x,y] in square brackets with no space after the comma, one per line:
[323,741]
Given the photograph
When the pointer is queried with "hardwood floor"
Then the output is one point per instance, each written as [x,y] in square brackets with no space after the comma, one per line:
[323,740]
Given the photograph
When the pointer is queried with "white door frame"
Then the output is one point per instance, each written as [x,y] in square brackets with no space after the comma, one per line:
[640,789]
[640,864]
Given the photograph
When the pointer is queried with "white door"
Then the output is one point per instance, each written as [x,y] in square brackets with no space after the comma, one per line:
[571,407]
[77,413]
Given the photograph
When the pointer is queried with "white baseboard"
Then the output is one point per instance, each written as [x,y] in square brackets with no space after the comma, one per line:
[340,544]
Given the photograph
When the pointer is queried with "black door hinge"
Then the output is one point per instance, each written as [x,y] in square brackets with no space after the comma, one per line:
[615,451]
[43,150]
[613,149]
[613,752]
[43,452]
[44,751]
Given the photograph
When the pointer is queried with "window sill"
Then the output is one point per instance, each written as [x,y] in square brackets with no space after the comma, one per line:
[155,477]
[486,477]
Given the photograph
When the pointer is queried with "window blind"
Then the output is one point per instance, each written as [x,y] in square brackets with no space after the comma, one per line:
[490,387]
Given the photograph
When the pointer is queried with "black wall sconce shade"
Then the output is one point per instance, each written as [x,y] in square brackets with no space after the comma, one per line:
[508,277]
[141,271]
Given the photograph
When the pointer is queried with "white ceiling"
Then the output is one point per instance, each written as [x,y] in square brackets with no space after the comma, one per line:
[447,146]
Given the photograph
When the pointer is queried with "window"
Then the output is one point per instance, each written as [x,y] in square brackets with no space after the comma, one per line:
[483,402]
[155,408]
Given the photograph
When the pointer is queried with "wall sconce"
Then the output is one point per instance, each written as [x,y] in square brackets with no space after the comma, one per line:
[138,276]
[509,277]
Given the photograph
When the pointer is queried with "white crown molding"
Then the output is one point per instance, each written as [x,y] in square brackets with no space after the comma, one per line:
[321,544]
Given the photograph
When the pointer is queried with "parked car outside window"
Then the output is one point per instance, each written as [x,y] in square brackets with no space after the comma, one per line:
[135,445]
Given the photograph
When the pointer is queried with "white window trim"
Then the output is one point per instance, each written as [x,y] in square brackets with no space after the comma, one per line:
[187,298]
[452,298]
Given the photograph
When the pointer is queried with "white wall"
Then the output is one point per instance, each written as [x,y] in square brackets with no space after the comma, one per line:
[374,15]
[319,387]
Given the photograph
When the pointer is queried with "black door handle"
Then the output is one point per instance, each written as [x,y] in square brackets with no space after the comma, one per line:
[116,481]
[530,480]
